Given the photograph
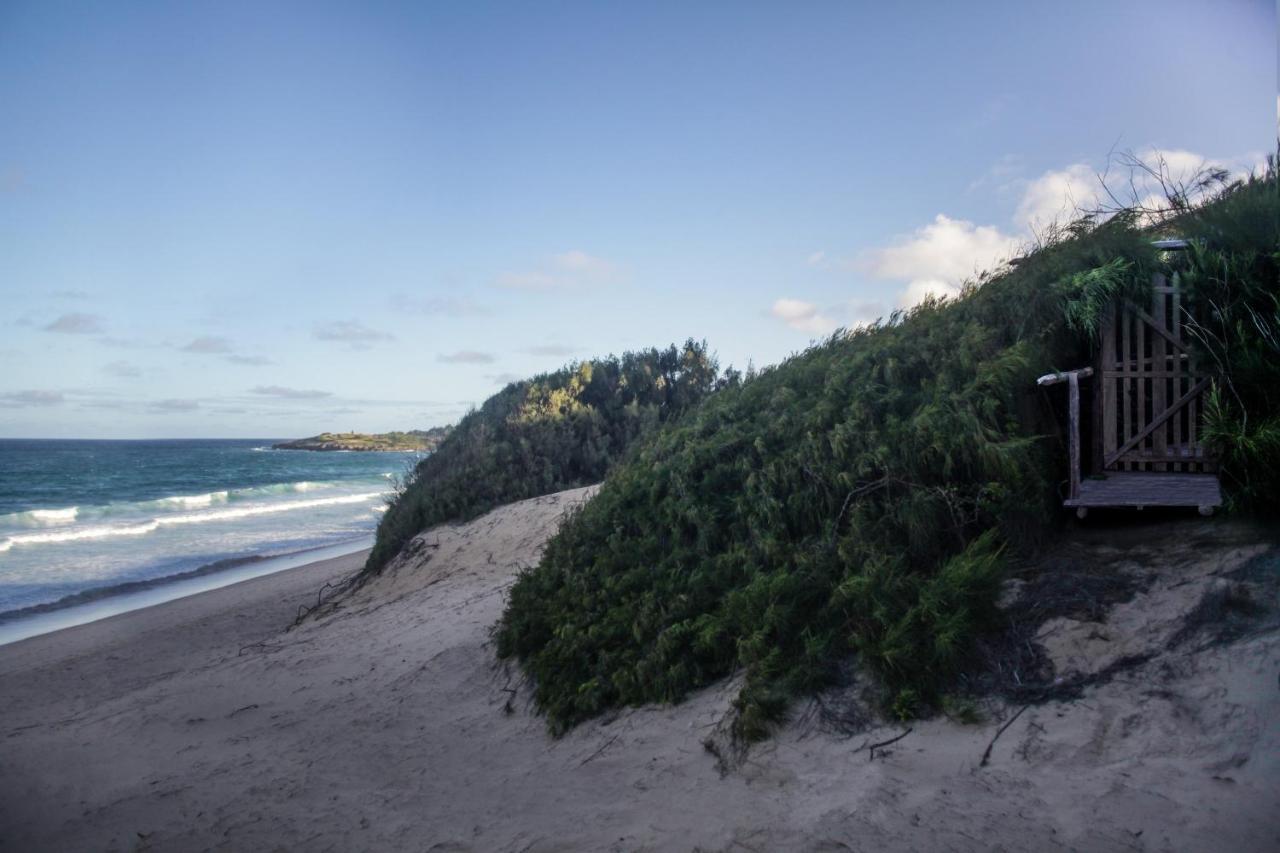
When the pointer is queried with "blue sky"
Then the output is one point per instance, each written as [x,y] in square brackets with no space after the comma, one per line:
[272,219]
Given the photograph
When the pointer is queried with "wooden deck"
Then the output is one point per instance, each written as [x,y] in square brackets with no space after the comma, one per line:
[1146,438]
[1139,489]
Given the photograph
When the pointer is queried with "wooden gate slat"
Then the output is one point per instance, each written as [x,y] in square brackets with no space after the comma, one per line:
[1175,321]
[1126,420]
[1140,381]
[1108,384]
[1193,406]
[1159,351]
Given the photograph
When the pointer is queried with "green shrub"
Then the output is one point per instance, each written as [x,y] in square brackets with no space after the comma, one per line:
[555,431]
[855,499]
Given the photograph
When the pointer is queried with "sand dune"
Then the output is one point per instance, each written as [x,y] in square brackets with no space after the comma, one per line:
[385,724]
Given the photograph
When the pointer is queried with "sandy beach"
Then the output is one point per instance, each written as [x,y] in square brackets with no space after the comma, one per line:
[385,723]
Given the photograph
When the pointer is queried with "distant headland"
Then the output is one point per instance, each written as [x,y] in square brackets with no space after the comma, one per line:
[414,439]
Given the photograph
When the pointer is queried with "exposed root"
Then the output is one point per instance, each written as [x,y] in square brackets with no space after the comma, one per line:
[986,753]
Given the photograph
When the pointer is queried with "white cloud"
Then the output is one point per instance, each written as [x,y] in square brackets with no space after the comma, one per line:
[208,345]
[465,357]
[357,335]
[817,259]
[447,306]
[123,369]
[578,261]
[289,393]
[1183,165]
[161,406]
[1061,195]
[937,258]
[76,324]
[569,269]
[866,313]
[530,281]
[121,343]
[1056,195]
[19,399]
[802,316]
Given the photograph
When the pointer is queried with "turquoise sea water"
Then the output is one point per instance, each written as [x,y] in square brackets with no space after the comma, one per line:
[84,518]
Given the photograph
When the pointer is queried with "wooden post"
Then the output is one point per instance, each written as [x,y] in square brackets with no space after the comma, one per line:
[1104,394]
[1073,378]
[1073,412]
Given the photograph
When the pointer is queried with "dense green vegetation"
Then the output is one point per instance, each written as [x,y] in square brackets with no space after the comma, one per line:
[414,439]
[858,499]
[1235,274]
[555,431]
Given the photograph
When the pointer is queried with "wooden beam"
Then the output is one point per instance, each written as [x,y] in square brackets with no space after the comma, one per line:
[1181,453]
[1145,363]
[1167,374]
[1055,378]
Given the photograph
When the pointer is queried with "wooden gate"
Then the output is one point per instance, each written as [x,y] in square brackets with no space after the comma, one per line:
[1148,400]
[1148,391]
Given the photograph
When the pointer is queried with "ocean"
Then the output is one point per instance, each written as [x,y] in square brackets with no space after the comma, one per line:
[85,520]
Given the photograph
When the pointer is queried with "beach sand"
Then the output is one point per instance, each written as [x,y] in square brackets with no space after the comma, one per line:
[385,724]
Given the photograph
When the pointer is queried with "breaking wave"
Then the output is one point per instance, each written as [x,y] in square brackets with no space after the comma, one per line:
[40,517]
[141,528]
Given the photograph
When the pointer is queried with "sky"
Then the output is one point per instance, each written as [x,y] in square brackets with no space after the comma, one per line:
[233,219]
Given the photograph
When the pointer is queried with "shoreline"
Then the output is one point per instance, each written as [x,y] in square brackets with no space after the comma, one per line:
[184,630]
[384,722]
[99,603]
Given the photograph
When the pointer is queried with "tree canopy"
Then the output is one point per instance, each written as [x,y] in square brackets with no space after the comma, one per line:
[555,431]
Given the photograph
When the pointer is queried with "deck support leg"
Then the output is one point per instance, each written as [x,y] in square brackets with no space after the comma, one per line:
[1206,511]
[1081,512]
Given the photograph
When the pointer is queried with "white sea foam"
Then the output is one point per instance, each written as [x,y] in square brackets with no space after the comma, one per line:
[142,528]
[40,517]
[255,492]
[194,501]
[99,532]
[265,509]
[55,516]
[130,511]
